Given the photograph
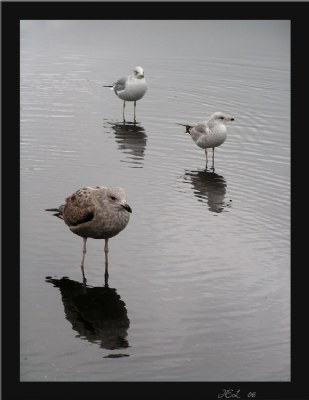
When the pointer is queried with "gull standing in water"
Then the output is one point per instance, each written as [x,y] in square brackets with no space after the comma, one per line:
[130,88]
[209,134]
[97,212]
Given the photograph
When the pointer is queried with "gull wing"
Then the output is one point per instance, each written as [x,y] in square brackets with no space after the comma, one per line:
[79,208]
[120,85]
[200,128]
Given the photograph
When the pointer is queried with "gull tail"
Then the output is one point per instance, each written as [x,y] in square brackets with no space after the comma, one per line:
[187,127]
[110,86]
[58,212]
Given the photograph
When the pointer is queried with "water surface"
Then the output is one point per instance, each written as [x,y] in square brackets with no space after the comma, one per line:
[199,286]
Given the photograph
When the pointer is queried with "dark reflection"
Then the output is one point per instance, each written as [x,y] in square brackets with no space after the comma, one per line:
[131,139]
[209,188]
[96,313]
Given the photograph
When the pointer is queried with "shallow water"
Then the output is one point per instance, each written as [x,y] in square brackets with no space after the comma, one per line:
[199,286]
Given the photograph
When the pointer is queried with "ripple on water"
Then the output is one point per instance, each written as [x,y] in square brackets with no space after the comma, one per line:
[210,248]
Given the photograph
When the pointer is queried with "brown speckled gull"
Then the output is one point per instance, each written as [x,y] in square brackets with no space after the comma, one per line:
[209,134]
[95,212]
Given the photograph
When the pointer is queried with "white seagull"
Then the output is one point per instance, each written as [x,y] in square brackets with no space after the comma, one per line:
[130,88]
[209,134]
[97,212]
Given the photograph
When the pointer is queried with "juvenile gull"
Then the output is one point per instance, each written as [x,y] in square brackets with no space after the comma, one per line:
[209,134]
[130,88]
[97,212]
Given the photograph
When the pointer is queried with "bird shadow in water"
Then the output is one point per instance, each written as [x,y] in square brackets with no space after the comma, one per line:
[97,314]
[208,187]
[131,139]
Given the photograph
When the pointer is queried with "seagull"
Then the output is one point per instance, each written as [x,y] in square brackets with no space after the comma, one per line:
[98,212]
[130,88]
[209,134]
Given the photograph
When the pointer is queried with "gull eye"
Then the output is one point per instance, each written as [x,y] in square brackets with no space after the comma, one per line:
[113,197]
[221,117]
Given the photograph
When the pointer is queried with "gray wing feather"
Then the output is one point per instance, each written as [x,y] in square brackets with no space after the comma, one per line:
[120,84]
[202,128]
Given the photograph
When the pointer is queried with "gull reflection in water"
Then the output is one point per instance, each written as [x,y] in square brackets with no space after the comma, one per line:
[208,187]
[131,139]
[97,314]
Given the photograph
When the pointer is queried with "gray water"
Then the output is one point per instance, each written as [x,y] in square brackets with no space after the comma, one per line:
[199,285]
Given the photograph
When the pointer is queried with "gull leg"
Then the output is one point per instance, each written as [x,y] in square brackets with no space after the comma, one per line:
[135,112]
[83,259]
[206,157]
[106,259]
[124,105]
[106,280]
[213,158]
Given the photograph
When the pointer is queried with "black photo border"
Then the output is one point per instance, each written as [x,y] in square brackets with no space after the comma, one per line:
[11,14]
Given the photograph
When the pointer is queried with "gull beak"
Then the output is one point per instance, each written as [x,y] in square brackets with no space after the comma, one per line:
[127,207]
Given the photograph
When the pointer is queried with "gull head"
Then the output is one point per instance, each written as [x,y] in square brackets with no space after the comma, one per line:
[219,117]
[116,199]
[138,72]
